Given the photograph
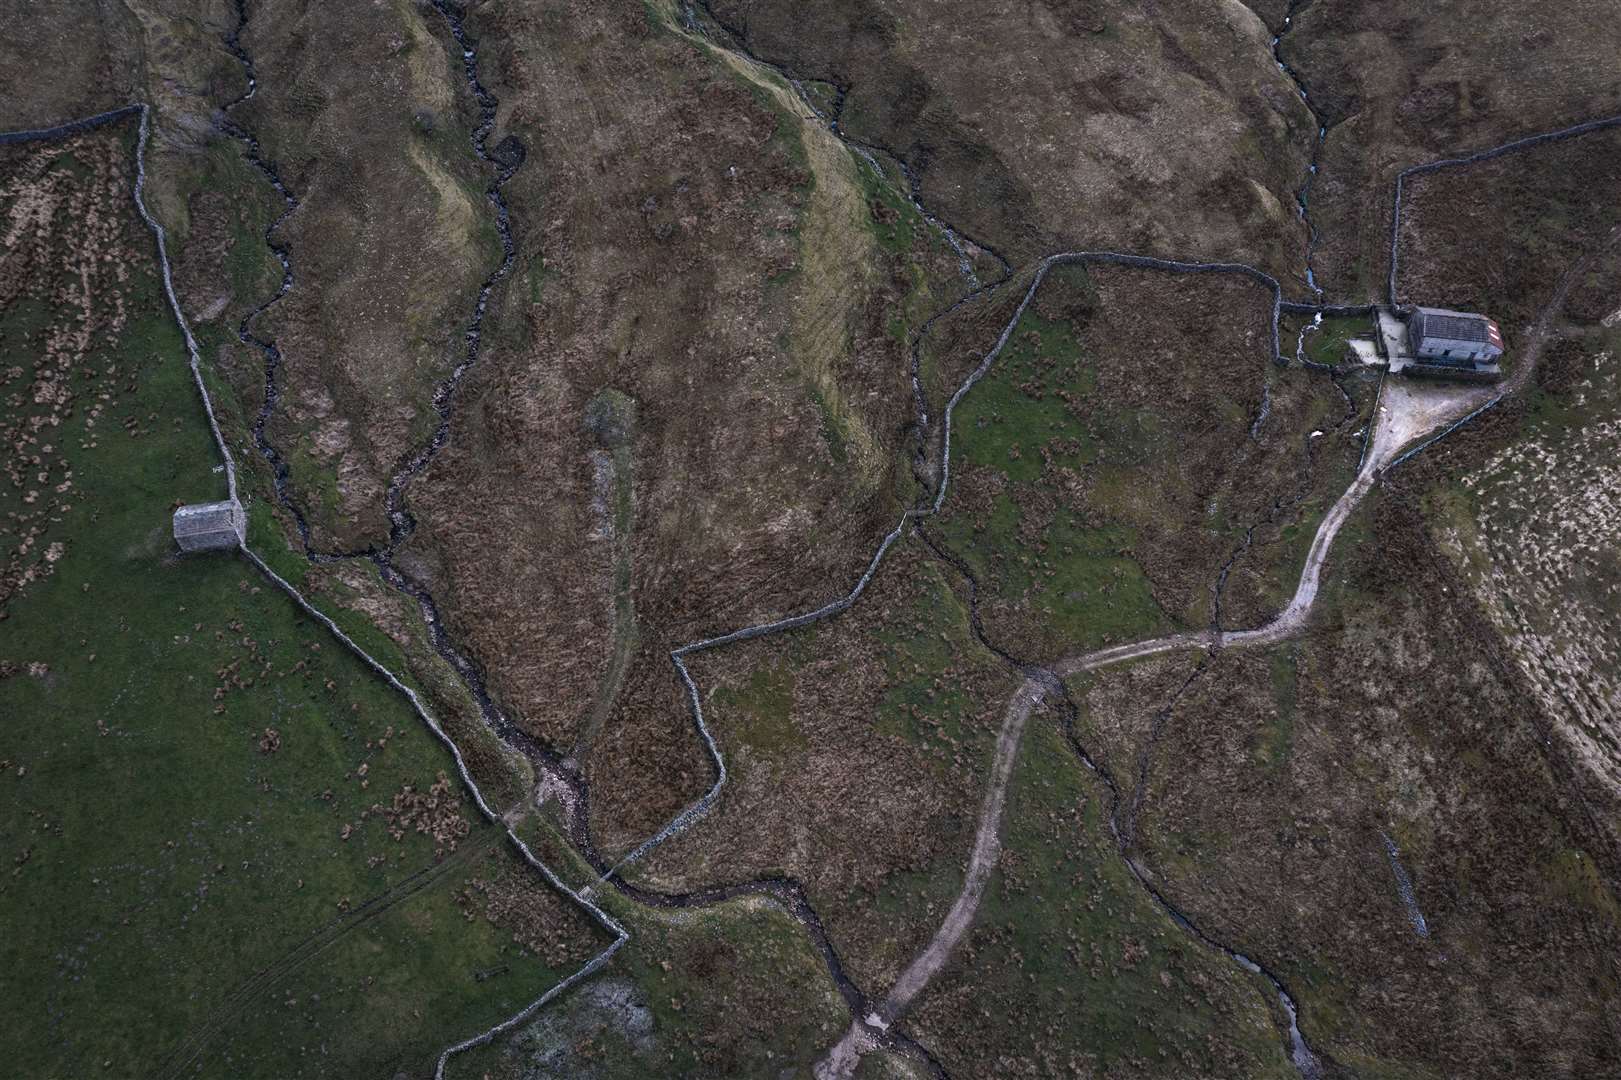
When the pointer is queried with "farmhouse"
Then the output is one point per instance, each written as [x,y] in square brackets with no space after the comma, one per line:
[210,526]
[1439,336]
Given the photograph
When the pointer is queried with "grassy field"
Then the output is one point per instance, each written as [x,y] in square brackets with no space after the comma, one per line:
[229,842]
[1326,344]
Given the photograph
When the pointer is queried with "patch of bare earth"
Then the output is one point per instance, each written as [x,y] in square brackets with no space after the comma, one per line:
[66,253]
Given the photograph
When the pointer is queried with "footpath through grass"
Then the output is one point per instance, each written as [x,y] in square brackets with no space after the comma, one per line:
[195,779]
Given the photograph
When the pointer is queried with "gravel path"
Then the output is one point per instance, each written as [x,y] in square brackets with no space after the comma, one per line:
[1403,416]
[1405,412]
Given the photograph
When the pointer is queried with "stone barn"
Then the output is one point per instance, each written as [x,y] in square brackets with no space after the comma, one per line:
[210,526]
[1439,336]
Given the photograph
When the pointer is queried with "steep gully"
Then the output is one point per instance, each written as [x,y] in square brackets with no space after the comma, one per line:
[1303,193]
[1284,503]
[790,893]
[251,153]
[554,775]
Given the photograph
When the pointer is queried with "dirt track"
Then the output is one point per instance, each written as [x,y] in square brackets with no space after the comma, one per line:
[1406,412]
[1406,421]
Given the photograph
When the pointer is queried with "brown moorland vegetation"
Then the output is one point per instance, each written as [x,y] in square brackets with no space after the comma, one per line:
[857,749]
[1499,236]
[695,391]
[1164,130]
[1278,774]
[1400,85]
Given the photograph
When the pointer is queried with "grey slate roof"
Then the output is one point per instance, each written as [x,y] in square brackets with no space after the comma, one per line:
[209,526]
[1451,325]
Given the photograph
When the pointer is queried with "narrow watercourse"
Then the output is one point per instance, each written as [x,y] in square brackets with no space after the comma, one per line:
[272,355]
[1303,193]
[1306,1059]
[1303,1056]
[1281,504]
[401,522]
[578,827]
[504,162]
[75,126]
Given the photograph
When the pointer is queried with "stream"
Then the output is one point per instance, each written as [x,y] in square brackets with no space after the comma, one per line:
[272,355]
[504,161]
[1301,1053]
[1303,193]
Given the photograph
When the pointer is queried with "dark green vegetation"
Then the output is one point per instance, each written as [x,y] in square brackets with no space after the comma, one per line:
[688,237]
[1029,420]
[228,841]
[732,991]
[1326,344]
[1102,981]
[217,249]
